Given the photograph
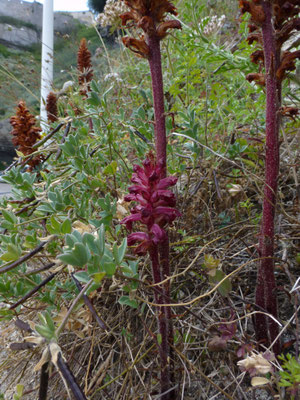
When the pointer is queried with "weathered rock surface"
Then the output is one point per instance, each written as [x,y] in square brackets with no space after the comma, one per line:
[33,13]
[18,36]
[6,146]
[30,14]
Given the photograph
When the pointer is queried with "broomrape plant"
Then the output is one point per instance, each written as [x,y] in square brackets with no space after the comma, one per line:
[272,24]
[154,211]
[59,217]
[150,17]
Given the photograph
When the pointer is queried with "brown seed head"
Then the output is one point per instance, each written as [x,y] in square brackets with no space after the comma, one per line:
[258,57]
[84,66]
[25,133]
[149,15]
[51,107]
[290,112]
[257,78]
[288,63]
[283,11]
[155,9]
[256,11]
[287,31]
[285,21]
[138,46]
[255,37]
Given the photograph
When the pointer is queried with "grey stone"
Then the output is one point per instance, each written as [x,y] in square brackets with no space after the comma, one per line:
[6,145]
[18,36]
[85,17]
[33,13]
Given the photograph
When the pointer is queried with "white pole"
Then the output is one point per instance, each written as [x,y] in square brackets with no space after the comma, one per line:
[47,59]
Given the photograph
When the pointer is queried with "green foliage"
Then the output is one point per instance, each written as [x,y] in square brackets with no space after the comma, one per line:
[290,375]
[19,392]
[46,328]
[4,51]
[76,193]
[87,32]
[216,275]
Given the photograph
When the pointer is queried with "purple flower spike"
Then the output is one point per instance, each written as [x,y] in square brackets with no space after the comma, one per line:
[154,206]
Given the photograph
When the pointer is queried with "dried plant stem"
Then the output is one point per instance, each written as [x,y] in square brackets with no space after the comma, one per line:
[69,378]
[89,305]
[33,291]
[210,381]
[47,137]
[10,266]
[73,305]
[266,286]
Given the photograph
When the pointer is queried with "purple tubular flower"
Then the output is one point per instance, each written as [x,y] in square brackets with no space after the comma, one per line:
[144,240]
[130,219]
[155,236]
[166,182]
[130,197]
[137,237]
[159,234]
[154,206]
[163,198]
[166,214]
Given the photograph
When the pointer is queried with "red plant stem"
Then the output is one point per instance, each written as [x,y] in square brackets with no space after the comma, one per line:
[160,136]
[158,99]
[163,322]
[266,328]
[164,251]
[165,314]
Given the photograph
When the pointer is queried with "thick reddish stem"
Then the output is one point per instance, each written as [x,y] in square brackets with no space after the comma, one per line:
[165,315]
[160,134]
[158,99]
[266,328]
[163,326]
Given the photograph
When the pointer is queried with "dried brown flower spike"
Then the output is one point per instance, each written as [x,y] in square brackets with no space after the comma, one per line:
[84,66]
[25,133]
[149,15]
[51,107]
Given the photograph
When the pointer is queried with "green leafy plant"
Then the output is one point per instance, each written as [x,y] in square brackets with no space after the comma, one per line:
[19,392]
[216,275]
[290,375]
